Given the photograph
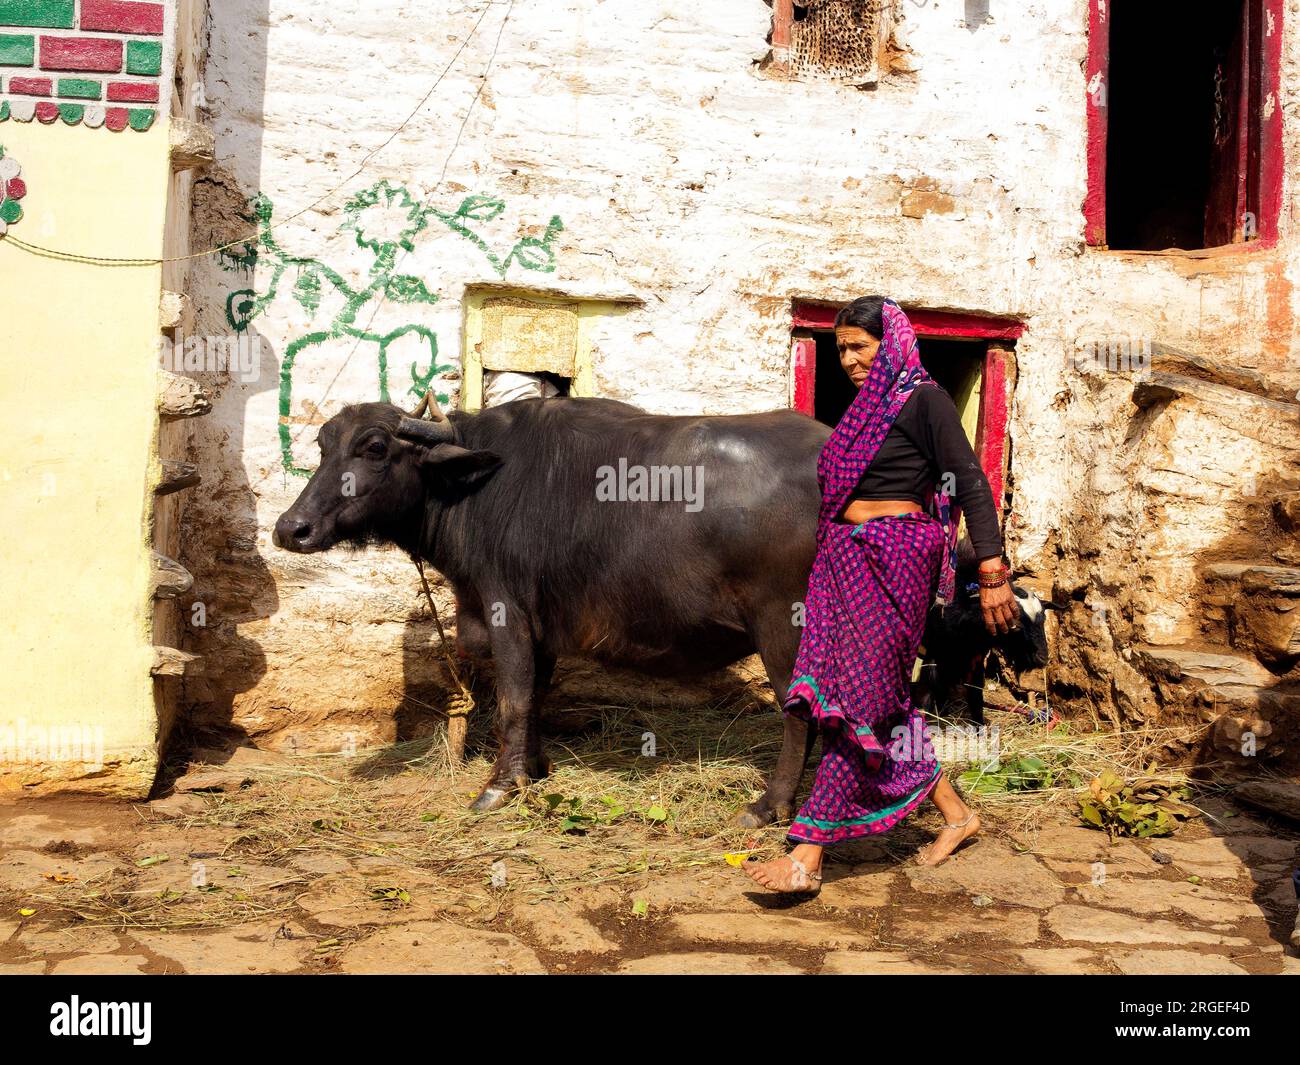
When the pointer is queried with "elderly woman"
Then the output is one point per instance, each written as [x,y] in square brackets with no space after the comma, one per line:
[891,475]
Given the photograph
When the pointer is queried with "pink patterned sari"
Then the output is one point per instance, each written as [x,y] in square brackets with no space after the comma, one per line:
[870,590]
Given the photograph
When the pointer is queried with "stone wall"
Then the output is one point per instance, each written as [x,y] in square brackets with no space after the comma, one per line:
[649,154]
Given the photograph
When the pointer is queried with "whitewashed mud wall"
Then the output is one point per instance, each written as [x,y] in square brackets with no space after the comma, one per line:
[638,152]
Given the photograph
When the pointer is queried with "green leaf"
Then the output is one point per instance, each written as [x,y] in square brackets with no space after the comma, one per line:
[480,208]
[641,907]
[306,290]
[656,813]
[404,288]
[613,808]
[153,859]
[532,254]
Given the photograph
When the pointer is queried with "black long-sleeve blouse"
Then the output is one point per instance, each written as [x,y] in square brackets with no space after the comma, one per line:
[926,442]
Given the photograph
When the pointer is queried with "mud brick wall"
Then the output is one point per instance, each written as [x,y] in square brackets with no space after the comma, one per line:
[94,62]
[648,150]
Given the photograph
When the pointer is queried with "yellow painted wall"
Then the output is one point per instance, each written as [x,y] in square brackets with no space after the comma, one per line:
[77,455]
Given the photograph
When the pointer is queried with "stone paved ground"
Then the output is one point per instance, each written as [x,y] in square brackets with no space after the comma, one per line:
[1010,903]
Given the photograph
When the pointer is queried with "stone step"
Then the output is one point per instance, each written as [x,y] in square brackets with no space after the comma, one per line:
[1177,360]
[1260,614]
[1257,578]
[1252,712]
[1158,386]
[1281,797]
[1177,664]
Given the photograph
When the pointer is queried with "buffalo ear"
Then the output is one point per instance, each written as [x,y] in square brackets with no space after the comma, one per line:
[457,466]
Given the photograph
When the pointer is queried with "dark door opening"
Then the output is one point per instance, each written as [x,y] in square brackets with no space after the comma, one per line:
[957,365]
[1183,133]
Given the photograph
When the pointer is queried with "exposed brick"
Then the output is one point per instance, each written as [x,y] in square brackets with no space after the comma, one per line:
[80,88]
[121,16]
[96,54]
[29,86]
[116,118]
[47,112]
[143,57]
[133,92]
[46,14]
[141,118]
[17,49]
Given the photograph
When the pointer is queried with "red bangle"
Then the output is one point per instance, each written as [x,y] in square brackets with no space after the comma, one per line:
[994,578]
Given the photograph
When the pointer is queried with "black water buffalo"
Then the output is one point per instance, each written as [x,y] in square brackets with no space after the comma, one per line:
[674,545]
[957,643]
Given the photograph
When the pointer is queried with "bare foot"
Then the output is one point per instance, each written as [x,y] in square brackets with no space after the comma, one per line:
[950,838]
[788,875]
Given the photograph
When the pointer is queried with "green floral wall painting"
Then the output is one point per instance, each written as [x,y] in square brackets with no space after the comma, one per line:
[370,216]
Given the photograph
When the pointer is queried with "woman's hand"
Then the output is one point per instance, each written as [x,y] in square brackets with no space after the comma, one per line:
[998,604]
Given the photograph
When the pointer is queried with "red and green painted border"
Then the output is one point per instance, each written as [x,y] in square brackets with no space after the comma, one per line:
[12,190]
[93,116]
[96,63]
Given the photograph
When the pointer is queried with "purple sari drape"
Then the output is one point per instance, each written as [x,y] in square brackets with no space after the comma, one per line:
[868,595]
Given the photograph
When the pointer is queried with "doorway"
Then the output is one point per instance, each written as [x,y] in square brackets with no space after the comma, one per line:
[957,365]
[1184,129]
[971,356]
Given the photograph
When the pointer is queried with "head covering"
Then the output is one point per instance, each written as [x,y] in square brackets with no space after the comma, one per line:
[852,447]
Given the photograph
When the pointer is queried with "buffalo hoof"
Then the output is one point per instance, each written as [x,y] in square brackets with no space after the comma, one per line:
[762,813]
[489,799]
[755,815]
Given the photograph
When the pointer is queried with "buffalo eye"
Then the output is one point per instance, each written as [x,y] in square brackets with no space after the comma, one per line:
[376,449]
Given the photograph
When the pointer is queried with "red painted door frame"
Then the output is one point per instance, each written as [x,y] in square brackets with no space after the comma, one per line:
[1096,93]
[1269,163]
[991,431]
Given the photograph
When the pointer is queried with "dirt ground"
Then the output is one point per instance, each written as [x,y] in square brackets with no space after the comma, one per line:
[273,864]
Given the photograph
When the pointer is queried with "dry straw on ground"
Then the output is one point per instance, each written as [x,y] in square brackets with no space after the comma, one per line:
[608,813]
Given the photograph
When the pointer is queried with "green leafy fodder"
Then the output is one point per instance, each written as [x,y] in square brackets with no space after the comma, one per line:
[1147,807]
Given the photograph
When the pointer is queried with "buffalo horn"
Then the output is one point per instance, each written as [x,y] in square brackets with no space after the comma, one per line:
[430,406]
[426,432]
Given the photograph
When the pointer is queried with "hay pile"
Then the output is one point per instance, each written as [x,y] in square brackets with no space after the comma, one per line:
[608,813]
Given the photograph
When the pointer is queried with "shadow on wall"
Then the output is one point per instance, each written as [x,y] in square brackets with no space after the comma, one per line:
[232,583]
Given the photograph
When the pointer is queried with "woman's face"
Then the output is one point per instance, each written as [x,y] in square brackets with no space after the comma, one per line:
[858,350]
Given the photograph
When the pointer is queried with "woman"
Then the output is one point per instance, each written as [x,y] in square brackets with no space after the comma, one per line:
[886,543]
